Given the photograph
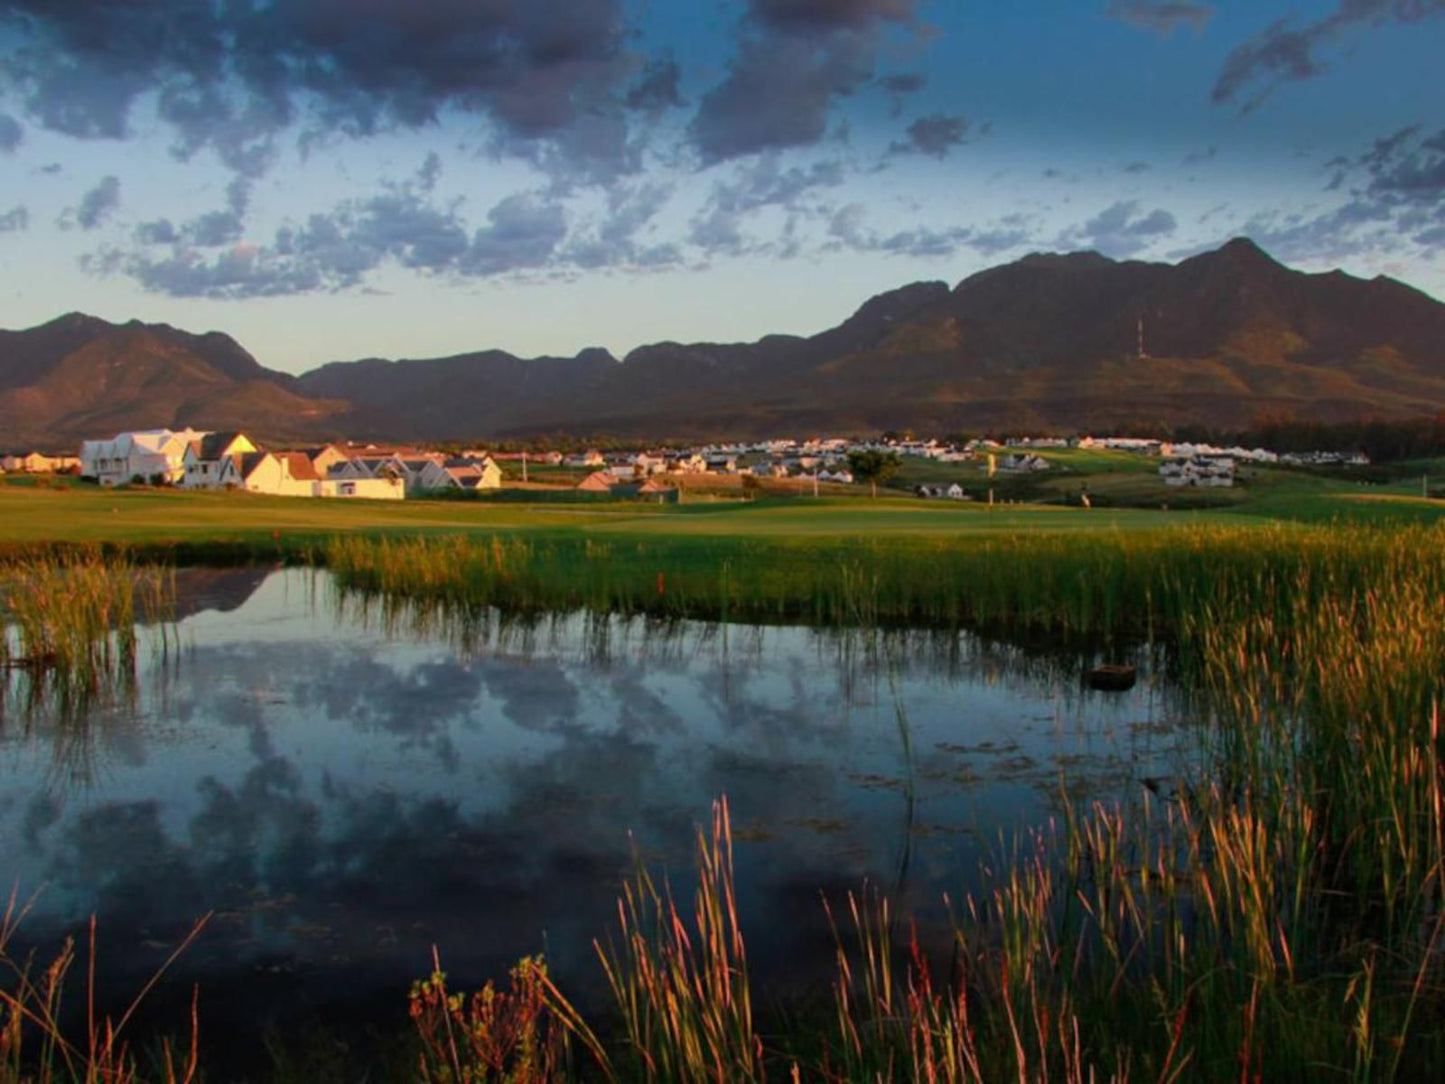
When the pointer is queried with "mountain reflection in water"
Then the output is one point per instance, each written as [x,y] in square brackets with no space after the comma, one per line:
[346,783]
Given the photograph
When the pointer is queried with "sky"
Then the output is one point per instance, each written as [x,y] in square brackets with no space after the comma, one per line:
[334,179]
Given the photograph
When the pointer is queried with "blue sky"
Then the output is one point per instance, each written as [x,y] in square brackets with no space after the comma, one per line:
[331,179]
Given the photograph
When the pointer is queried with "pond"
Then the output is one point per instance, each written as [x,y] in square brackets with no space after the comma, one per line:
[344,785]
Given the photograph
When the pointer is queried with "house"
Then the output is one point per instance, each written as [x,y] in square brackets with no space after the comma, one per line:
[658,490]
[148,454]
[1025,462]
[377,489]
[368,466]
[590,458]
[689,464]
[599,481]
[38,462]
[324,457]
[461,473]
[201,465]
[280,474]
[1198,470]
[412,468]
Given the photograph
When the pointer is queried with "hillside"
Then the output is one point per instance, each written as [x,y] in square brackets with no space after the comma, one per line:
[1049,342]
[79,377]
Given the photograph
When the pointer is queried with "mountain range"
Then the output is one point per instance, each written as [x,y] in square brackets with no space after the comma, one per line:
[1047,343]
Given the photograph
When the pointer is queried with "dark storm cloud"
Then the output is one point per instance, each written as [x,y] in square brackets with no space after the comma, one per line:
[656,87]
[1120,230]
[934,135]
[795,59]
[17,218]
[11,134]
[95,206]
[1285,53]
[1163,17]
[231,76]
[1396,197]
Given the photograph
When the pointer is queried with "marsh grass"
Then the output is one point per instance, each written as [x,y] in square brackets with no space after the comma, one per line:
[1278,915]
[1085,584]
[70,625]
[37,1039]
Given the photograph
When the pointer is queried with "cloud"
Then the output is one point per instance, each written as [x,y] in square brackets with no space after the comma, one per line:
[613,242]
[1395,201]
[161,231]
[1284,53]
[1162,17]
[1120,230]
[656,89]
[11,134]
[934,135]
[717,228]
[231,77]
[795,59]
[430,172]
[522,232]
[17,218]
[847,229]
[337,249]
[900,86]
[95,206]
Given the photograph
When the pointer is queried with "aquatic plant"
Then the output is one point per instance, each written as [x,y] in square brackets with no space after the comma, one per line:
[70,622]
[38,1047]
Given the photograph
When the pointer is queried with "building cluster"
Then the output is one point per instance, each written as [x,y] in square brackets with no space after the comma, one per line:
[231,460]
[1198,470]
[37,463]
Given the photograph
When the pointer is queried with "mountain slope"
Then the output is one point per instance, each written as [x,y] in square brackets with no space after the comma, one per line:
[1049,342]
[79,377]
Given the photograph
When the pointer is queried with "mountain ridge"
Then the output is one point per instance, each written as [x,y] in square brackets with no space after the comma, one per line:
[1047,342]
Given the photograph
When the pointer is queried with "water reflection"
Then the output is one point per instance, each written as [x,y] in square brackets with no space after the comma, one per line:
[347,782]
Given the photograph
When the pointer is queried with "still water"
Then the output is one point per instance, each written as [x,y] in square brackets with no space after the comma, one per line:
[343,786]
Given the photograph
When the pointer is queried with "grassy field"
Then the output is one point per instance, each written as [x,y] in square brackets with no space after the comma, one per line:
[70,512]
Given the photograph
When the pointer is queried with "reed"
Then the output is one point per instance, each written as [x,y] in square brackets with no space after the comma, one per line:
[680,988]
[37,1046]
[1099,585]
[70,623]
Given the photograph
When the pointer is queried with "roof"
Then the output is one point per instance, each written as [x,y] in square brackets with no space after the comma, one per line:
[214,445]
[598,481]
[298,465]
[247,462]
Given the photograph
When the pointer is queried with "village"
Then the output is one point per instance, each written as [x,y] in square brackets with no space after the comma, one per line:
[194,459]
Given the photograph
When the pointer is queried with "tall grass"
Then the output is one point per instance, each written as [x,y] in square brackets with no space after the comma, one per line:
[1104,584]
[37,1046]
[71,623]
[1277,916]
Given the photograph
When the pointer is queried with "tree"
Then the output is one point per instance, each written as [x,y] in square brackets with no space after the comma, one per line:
[873,466]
